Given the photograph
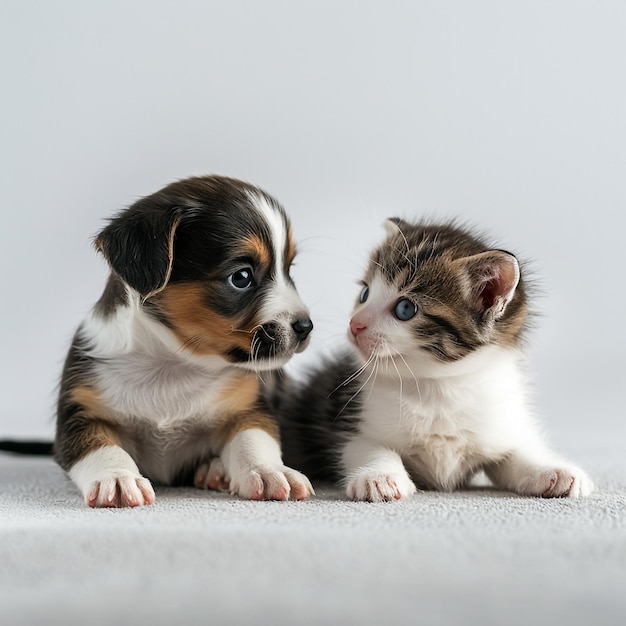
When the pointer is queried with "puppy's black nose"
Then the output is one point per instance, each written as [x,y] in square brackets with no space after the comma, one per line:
[302,327]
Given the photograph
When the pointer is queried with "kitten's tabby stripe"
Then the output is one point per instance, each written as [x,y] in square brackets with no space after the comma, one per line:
[451,329]
[432,399]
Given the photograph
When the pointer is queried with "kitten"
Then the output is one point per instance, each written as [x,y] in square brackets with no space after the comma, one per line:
[432,389]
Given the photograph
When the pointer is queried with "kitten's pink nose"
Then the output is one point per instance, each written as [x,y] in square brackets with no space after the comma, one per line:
[356,327]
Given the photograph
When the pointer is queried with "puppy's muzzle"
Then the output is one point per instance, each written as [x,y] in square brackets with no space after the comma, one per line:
[278,339]
[302,327]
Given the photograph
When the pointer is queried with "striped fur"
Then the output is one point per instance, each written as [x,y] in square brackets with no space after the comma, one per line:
[431,390]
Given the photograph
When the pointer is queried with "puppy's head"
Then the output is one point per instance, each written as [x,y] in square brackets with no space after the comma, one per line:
[210,258]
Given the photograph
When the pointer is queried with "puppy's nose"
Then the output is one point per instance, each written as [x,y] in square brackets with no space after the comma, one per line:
[302,327]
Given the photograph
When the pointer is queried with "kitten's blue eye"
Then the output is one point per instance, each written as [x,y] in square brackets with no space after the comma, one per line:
[242,279]
[405,310]
[364,293]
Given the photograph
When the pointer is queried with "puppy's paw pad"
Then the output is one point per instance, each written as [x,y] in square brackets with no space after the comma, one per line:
[250,485]
[120,491]
[300,485]
[211,475]
[380,487]
[271,483]
[569,482]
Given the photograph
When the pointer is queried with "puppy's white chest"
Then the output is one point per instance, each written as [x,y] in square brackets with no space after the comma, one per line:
[161,390]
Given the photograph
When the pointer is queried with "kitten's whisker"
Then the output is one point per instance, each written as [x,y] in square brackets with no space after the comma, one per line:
[375,372]
[401,390]
[358,391]
[350,378]
[417,386]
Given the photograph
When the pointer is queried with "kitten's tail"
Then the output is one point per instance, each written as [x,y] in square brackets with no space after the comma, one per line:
[39,448]
[316,417]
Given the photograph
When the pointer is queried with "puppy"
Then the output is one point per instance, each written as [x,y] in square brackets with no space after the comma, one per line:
[164,379]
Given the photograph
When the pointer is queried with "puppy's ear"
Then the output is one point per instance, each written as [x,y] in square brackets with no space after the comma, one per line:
[139,245]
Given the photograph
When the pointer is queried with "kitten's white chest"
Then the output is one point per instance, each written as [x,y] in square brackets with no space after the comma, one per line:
[446,428]
[404,415]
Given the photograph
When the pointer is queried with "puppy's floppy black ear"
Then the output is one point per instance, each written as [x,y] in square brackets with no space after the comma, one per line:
[139,244]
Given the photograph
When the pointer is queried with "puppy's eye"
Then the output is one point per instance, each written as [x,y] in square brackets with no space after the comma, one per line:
[405,310]
[365,292]
[242,279]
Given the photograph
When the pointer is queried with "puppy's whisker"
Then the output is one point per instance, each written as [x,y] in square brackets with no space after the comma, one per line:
[244,331]
[192,344]
[131,356]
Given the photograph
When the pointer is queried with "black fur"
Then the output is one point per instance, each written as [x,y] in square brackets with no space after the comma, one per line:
[189,232]
[317,416]
[71,423]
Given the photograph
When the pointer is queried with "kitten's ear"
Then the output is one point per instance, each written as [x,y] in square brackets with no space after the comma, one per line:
[395,225]
[491,279]
[139,245]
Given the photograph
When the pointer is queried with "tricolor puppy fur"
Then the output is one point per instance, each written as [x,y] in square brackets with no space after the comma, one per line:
[164,379]
[432,390]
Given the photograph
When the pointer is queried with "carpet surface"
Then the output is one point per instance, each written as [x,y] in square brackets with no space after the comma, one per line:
[475,557]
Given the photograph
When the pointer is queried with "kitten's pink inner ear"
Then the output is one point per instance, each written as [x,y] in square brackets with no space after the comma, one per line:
[500,288]
[491,280]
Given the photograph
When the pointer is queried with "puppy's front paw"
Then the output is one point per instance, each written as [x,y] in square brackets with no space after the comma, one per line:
[569,482]
[271,483]
[379,487]
[120,491]
[212,475]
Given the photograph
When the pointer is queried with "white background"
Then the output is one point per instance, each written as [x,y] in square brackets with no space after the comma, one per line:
[510,115]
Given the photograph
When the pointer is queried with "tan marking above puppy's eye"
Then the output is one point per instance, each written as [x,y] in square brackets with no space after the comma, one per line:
[255,247]
[290,252]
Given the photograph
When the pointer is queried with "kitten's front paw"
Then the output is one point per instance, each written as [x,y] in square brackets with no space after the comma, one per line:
[271,483]
[570,482]
[380,487]
[211,475]
[120,491]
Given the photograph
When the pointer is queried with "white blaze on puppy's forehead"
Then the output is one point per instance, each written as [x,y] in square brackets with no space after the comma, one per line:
[284,299]
[275,220]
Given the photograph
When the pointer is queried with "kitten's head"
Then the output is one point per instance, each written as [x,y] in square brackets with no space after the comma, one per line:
[432,295]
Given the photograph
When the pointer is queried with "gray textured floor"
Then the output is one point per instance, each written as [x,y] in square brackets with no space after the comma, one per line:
[476,557]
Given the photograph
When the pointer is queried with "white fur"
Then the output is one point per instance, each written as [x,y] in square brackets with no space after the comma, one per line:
[157,392]
[276,222]
[108,476]
[253,464]
[446,428]
[112,335]
[283,300]
[383,330]
[147,374]
[443,422]
[165,399]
